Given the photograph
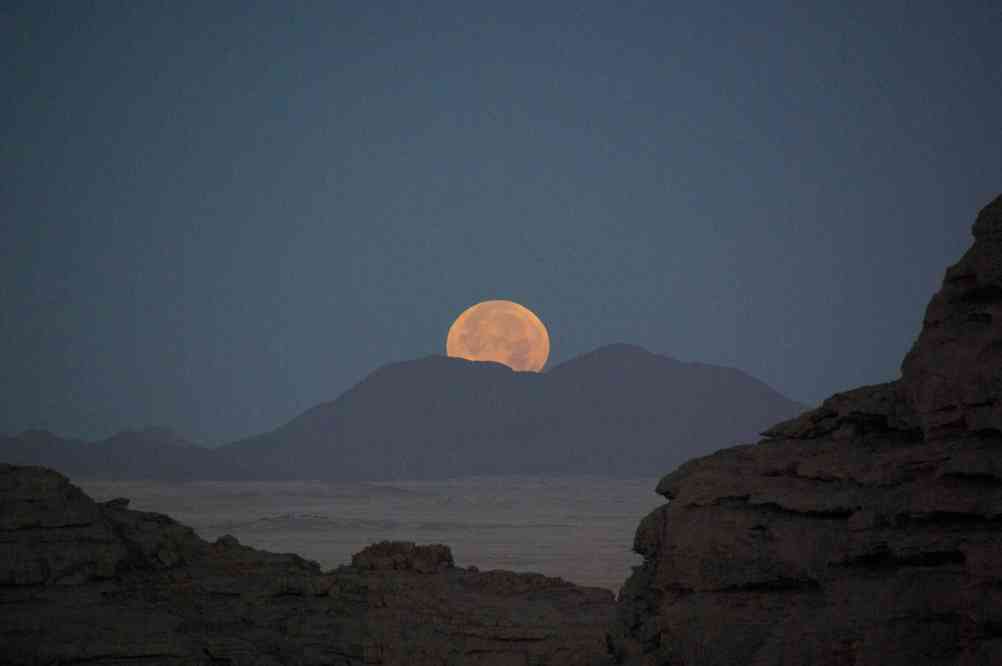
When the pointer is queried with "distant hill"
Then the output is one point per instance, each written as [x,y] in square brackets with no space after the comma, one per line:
[619,410]
[151,453]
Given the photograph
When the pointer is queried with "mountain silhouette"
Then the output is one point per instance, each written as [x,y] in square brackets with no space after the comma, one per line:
[619,410]
[150,453]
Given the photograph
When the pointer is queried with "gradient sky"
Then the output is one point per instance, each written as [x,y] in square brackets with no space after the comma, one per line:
[215,215]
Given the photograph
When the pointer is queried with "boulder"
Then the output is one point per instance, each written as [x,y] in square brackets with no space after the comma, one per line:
[403,556]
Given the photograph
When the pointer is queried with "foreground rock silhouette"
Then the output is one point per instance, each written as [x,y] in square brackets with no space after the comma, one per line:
[82,582]
[867,531]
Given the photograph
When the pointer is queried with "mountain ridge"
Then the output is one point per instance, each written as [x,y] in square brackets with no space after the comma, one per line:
[475,418]
[437,416]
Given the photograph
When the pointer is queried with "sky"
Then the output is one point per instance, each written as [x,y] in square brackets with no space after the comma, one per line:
[214,216]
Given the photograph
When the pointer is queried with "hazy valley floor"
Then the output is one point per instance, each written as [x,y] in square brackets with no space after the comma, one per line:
[577,528]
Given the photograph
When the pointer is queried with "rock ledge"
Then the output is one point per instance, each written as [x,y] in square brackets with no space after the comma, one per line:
[102,584]
[866,531]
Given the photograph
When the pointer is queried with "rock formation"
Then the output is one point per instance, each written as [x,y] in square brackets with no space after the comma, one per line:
[866,531]
[952,377]
[82,582]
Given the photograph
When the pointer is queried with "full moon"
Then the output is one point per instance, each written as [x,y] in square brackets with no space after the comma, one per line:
[500,331]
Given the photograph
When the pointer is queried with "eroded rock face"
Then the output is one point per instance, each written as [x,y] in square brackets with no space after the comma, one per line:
[866,531]
[952,377]
[102,584]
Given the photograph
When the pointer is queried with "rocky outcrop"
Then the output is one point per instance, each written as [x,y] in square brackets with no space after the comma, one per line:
[952,377]
[866,531]
[82,582]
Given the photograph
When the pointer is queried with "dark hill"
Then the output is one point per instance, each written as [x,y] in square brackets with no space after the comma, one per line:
[619,410]
[151,453]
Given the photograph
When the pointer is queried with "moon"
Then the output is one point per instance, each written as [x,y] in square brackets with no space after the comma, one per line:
[500,331]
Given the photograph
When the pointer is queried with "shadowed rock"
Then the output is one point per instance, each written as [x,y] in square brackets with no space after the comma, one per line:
[952,377]
[82,582]
[866,531]
[403,556]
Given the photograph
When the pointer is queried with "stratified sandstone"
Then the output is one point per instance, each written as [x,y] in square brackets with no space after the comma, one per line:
[867,531]
[82,582]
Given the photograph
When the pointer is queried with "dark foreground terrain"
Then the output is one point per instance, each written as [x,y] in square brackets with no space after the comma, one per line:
[865,532]
[82,582]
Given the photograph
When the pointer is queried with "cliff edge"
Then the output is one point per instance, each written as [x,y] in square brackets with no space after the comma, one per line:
[866,531]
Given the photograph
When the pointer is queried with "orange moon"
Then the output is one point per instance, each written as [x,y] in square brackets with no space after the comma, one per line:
[500,331]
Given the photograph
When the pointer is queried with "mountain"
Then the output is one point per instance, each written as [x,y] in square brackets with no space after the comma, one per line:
[150,453]
[619,410]
[866,531]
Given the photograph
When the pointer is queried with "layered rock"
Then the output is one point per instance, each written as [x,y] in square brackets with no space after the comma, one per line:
[952,377]
[867,531]
[82,582]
